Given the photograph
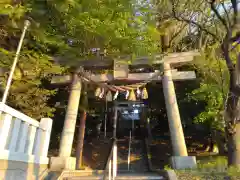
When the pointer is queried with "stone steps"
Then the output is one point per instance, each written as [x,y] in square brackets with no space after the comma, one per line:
[85,178]
[138,156]
[122,175]
[119,177]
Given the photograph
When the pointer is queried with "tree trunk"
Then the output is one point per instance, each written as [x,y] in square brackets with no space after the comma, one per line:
[81,133]
[232,112]
[165,42]
[232,128]
[234,147]
[218,139]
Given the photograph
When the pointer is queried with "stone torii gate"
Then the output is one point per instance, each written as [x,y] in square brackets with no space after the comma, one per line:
[180,158]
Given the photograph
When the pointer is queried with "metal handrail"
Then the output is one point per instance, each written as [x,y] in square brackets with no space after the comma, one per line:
[129,150]
[110,169]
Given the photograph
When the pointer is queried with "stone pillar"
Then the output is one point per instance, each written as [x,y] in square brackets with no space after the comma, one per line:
[43,134]
[5,128]
[70,118]
[174,121]
[65,161]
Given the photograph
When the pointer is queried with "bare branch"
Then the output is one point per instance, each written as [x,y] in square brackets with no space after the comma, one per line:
[235,10]
[226,12]
[177,34]
[218,15]
[191,22]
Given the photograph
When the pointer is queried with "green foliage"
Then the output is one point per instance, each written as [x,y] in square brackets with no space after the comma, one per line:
[208,25]
[27,92]
[70,29]
[211,168]
[35,66]
[214,83]
[213,77]
[109,25]
[14,12]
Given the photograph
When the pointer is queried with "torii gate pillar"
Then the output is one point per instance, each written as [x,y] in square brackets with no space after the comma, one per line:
[64,160]
[180,158]
[70,118]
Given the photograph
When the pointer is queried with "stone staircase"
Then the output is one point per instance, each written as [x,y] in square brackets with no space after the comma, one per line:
[125,176]
[98,175]
[139,169]
[138,158]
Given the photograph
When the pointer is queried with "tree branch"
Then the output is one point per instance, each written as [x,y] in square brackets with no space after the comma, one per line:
[218,15]
[235,10]
[177,34]
[226,12]
[191,22]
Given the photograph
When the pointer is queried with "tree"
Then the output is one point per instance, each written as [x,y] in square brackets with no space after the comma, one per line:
[34,66]
[200,15]
[213,76]
[69,29]
[108,25]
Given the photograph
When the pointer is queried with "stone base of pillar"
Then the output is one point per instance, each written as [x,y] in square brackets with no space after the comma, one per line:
[183,162]
[62,163]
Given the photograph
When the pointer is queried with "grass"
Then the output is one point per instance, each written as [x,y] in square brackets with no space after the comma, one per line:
[209,168]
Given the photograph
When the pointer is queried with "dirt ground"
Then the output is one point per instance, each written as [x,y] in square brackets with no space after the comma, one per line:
[95,153]
[161,149]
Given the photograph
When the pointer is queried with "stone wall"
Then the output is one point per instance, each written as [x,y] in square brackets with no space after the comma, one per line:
[15,170]
[24,145]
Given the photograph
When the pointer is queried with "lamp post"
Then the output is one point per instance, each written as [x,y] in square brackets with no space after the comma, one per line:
[9,81]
